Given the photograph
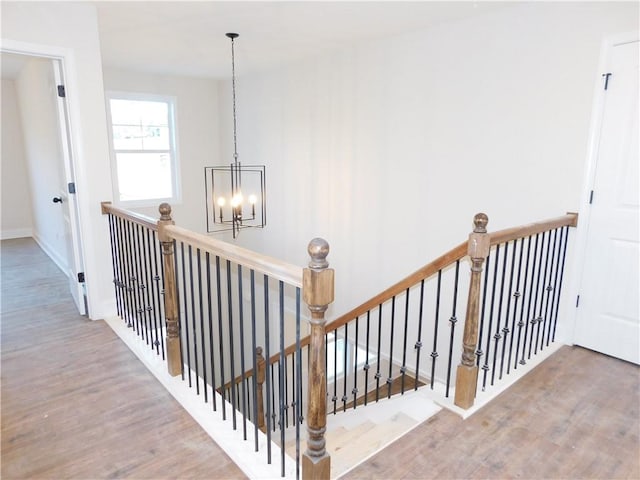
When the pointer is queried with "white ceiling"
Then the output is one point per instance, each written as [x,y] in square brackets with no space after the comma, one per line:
[188,37]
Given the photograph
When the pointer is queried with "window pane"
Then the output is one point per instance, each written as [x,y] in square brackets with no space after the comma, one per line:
[156,138]
[143,176]
[127,138]
[139,112]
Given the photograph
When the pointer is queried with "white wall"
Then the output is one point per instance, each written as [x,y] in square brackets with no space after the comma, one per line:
[16,196]
[388,148]
[70,30]
[37,100]
[197,135]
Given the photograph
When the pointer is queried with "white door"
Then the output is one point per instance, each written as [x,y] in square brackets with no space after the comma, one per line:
[608,311]
[69,203]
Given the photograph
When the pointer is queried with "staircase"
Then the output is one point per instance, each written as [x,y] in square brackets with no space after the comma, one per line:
[354,436]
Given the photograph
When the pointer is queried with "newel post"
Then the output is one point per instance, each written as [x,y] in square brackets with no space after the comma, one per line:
[317,291]
[467,373]
[174,363]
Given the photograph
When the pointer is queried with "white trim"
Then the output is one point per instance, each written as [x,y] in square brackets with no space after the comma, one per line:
[67,68]
[176,182]
[16,233]
[52,254]
[584,213]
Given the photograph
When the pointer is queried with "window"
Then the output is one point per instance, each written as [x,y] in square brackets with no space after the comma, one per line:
[143,147]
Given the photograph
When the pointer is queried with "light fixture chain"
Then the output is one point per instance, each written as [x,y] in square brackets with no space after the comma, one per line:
[233,87]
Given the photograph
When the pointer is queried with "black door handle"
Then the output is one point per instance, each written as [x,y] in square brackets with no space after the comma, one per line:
[57,199]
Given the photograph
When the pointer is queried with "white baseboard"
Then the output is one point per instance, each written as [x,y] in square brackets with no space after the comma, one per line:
[52,254]
[11,233]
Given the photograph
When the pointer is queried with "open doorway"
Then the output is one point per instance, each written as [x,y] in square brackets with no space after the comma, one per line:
[38,186]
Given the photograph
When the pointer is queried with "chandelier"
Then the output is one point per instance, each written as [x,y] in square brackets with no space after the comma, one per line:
[235,193]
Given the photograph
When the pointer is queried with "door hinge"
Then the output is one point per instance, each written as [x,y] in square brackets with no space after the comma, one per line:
[72,187]
[61,91]
[577,301]
[606,79]
[80,277]
[591,197]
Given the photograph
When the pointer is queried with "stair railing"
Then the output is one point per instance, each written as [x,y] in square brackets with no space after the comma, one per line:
[222,305]
[373,351]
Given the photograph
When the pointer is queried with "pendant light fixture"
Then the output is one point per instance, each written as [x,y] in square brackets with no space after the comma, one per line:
[235,193]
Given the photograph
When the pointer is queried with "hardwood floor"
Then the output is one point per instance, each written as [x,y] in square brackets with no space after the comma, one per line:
[76,403]
[575,416]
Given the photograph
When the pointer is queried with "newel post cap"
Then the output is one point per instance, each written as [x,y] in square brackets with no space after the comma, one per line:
[165,211]
[318,250]
[480,221]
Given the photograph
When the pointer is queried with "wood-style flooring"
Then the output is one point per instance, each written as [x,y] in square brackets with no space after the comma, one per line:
[76,403]
[576,416]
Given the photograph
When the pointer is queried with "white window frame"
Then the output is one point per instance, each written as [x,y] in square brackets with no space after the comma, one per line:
[171,101]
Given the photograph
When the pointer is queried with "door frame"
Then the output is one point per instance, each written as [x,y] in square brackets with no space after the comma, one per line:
[65,60]
[584,212]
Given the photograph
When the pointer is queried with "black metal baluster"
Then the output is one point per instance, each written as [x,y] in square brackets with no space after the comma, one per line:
[550,292]
[242,353]
[378,374]
[354,391]
[542,295]
[497,336]
[139,284]
[366,364]
[298,373]
[506,329]
[221,337]
[403,369]
[185,322]
[281,376]
[418,345]
[521,322]
[391,332]
[530,312]
[201,306]
[193,321]
[159,277]
[116,248]
[131,280]
[113,263]
[453,320]
[479,352]
[534,318]
[334,399]
[434,353]
[485,367]
[345,368]
[210,318]
[231,349]
[565,242]
[268,358]
[153,287]
[122,274]
[254,348]
[273,398]
[146,285]
[516,295]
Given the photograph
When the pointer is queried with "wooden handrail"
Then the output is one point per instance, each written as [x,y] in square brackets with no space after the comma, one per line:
[429,269]
[144,220]
[457,253]
[508,234]
[277,269]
